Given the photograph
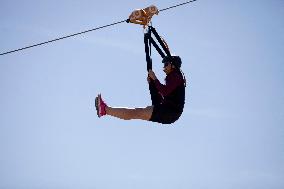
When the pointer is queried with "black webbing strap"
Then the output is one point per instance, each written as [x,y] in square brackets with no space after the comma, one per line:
[147,37]
[148,40]
[153,30]
[157,47]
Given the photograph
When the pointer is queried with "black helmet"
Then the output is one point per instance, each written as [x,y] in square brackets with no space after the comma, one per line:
[175,60]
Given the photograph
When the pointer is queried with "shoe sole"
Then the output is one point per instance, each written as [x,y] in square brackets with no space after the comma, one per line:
[97,106]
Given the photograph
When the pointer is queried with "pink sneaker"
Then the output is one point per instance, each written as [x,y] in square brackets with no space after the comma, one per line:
[100,106]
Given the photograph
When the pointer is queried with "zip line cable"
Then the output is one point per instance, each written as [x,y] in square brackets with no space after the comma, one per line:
[177,5]
[57,39]
[83,32]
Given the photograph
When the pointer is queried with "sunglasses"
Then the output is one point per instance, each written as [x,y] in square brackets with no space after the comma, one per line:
[166,64]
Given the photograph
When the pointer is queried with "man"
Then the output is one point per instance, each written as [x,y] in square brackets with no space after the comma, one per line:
[167,100]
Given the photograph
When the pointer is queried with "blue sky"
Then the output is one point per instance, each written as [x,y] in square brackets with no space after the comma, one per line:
[230,135]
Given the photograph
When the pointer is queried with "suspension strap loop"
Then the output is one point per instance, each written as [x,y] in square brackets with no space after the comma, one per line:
[165,48]
[147,43]
[148,40]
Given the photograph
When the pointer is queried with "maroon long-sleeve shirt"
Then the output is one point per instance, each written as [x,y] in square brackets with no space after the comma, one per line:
[173,91]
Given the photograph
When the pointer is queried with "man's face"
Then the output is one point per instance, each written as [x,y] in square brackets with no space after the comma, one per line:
[168,67]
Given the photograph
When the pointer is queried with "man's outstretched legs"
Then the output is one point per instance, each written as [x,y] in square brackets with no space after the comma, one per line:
[123,113]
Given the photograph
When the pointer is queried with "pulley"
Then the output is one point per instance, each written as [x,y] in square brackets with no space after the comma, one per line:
[143,16]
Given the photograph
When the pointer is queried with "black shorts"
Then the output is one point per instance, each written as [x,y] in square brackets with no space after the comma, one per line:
[165,114]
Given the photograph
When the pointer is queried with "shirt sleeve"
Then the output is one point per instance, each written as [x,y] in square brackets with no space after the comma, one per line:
[172,82]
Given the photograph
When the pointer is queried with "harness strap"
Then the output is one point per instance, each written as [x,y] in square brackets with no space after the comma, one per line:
[153,30]
[147,36]
[148,40]
[157,47]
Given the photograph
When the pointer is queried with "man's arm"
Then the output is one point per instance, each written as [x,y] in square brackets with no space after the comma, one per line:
[173,81]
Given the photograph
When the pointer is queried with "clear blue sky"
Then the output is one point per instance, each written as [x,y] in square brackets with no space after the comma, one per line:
[230,136]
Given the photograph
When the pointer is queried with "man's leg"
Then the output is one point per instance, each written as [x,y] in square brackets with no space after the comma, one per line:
[128,113]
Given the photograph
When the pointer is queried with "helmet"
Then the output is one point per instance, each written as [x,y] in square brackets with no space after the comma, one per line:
[175,60]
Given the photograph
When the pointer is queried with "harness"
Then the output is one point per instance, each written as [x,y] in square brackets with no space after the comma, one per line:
[149,41]
[143,17]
